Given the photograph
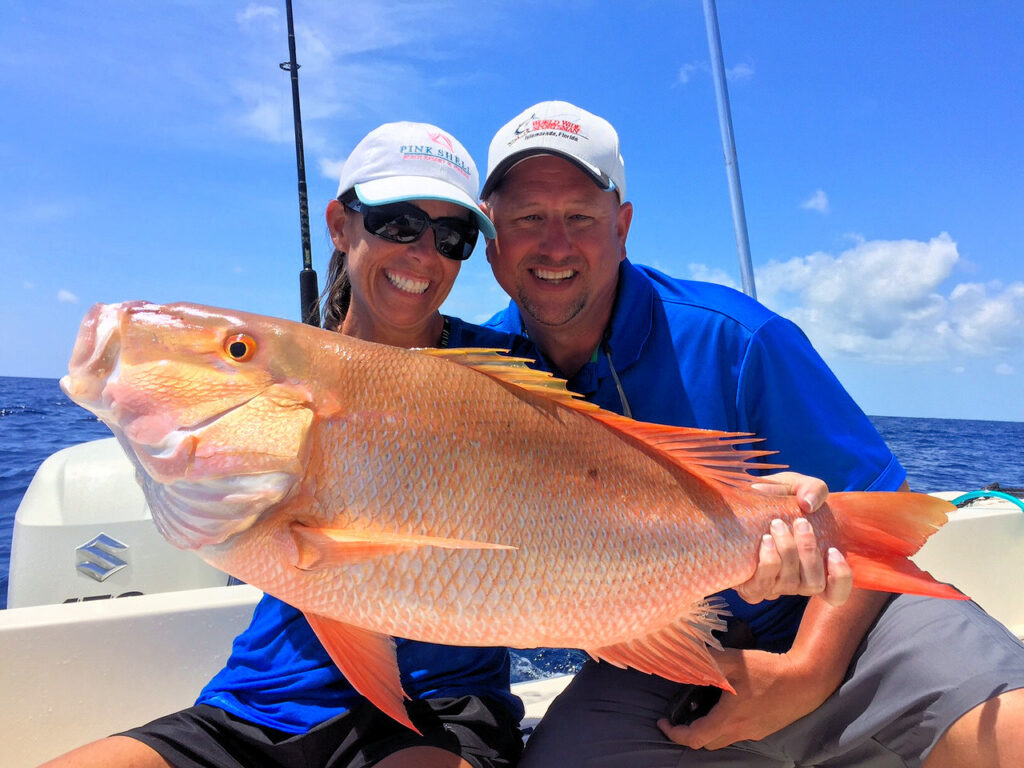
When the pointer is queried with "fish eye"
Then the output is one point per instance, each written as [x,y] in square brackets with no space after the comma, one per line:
[240,347]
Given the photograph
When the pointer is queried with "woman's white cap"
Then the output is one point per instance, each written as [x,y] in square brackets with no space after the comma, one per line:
[413,161]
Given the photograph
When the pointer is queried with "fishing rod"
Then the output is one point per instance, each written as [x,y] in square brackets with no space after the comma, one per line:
[308,290]
[732,171]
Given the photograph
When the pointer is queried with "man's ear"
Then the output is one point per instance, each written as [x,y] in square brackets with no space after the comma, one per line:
[623,219]
[336,225]
[490,244]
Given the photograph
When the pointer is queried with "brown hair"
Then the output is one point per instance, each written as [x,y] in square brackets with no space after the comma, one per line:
[337,293]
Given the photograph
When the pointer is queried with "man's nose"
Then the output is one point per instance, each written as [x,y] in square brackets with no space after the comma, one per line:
[556,237]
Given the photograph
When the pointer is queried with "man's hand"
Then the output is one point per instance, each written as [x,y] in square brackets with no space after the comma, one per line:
[788,560]
[771,692]
[774,690]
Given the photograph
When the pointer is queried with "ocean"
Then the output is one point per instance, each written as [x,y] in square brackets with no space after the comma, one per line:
[36,419]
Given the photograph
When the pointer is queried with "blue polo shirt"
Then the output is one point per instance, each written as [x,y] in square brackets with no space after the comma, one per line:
[279,675]
[695,354]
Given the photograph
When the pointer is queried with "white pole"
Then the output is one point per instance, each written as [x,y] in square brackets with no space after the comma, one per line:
[739,219]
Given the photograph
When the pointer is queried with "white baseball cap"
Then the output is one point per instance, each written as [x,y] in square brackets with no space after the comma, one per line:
[413,161]
[562,129]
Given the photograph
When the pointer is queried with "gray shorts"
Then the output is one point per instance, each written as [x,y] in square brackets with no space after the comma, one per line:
[924,664]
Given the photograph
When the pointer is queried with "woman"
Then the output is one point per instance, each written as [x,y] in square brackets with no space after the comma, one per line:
[405,218]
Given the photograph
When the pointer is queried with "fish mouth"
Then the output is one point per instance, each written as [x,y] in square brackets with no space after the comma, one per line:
[94,376]
[95,359]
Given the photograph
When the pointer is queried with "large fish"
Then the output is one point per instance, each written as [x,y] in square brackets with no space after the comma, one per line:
[455,497]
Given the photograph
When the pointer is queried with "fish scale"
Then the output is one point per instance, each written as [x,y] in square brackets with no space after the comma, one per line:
[448,496]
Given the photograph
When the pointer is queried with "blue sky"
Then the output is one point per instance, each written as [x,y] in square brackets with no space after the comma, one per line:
[146,153]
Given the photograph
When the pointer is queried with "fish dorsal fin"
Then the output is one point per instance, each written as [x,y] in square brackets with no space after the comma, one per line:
[515,371]
[711,454]
[678,651]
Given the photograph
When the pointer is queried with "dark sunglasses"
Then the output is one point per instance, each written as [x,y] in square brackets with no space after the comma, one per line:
[454,238]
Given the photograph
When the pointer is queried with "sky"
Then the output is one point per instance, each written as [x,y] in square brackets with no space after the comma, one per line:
[146,152]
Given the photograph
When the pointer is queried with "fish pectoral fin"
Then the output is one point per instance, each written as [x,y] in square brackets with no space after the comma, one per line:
[676,652]
[368,661]
[328,547]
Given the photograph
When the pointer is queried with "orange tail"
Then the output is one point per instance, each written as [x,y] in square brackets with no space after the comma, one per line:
[880,531]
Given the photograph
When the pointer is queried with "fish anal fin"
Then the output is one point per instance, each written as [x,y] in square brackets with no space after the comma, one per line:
[368,661]
[709,454]
[330,547]
[679,651]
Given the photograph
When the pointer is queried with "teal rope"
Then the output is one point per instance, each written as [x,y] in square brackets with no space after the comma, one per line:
[962,500]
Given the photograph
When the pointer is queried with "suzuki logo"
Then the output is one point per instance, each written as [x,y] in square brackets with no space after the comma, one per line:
[98,558]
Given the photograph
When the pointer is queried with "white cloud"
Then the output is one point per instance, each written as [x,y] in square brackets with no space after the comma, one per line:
[882,301]
[686,72]
[254,11]
[732,74]
[1004,369]
[708,275]
[28,285]
[357,62]
[331,169]
[816,202]
[739,72]
[66,297]
[267,116]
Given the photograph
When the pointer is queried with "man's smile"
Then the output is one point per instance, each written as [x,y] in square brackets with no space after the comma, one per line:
[554,276]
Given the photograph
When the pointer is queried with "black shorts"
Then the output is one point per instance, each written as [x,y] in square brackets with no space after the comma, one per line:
[482,733]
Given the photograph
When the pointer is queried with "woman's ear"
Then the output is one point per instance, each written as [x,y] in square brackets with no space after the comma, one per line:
[336,225]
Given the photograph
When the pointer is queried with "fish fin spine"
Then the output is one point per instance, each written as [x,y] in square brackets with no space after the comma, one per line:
[676,652]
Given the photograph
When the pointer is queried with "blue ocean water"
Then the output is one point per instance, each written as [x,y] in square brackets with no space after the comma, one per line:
[36,419]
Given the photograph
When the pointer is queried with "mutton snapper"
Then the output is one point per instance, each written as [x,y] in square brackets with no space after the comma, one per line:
[448,496]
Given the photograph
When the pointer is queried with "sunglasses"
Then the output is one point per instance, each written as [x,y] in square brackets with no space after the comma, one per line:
[454,238]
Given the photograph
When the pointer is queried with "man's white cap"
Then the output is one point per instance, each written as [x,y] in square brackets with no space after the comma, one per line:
[413,161]
[562,129]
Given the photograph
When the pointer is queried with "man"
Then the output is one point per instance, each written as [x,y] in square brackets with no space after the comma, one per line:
[880,680]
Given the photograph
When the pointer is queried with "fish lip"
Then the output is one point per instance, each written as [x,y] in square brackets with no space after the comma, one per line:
[96,359]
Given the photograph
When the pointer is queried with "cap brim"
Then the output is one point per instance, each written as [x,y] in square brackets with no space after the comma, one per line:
[395,189]
[495,176]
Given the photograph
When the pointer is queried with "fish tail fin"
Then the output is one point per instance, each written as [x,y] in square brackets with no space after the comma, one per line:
[879,531]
